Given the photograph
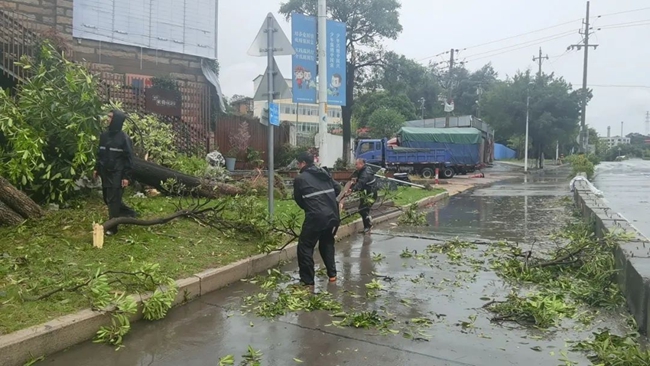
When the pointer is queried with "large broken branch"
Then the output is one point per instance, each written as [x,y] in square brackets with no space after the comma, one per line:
[112,223]
[18,201]
[9,217]
[155,175]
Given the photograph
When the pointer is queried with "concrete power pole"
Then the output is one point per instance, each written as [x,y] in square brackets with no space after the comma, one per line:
[583,115]
[647,123]
[539,59]
[322,77]
[450,86]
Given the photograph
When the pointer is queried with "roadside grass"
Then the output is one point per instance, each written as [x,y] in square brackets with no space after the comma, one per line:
[41,255]
[405,195]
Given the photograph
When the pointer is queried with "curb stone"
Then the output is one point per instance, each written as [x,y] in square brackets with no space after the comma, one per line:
[631,256]
[58,334]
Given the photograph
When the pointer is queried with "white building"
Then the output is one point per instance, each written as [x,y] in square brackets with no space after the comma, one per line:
[304,116]
[615,140]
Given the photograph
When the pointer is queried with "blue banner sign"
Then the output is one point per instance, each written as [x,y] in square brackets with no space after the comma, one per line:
[303,69]
[336,63]
[274,114]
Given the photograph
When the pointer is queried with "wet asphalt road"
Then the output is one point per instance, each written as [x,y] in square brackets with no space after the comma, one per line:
[626,188]
[214,326]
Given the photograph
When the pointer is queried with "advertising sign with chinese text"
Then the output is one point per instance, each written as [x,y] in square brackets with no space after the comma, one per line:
[303,69]
[336,63]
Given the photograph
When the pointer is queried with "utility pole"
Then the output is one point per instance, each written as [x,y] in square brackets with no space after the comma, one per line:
[647,123]
[422,110]
[479,91]
[539,59]
[450,86]
[322,76]
[526,142]
[583,115]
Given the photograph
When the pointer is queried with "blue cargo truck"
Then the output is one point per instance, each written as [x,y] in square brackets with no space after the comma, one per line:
[422,150]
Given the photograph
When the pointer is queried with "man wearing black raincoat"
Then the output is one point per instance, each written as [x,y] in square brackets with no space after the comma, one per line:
[315,192]
[114,165]
[366,184]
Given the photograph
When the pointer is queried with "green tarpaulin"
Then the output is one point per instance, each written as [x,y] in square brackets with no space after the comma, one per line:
[468,135]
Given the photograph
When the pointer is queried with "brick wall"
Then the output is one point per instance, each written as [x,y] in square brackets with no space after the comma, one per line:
[106,57]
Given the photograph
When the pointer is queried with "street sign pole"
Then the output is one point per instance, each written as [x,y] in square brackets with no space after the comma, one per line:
[271,41]
[322,78]
[269,58]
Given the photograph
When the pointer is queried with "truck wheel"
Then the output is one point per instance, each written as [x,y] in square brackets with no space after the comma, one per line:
[427,173]
[448,173]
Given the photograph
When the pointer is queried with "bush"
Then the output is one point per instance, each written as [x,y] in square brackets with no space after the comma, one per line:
[152,138]
[287,154]
[581,164]
[50,127]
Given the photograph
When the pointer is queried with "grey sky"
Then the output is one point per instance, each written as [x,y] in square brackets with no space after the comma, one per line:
[432,27]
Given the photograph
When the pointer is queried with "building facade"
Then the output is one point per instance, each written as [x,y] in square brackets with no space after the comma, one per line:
[615,140]
[303,116]
[135,37]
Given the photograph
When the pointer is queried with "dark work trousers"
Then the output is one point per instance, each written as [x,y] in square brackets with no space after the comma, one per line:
[306,244]
[116,207]
[364,210]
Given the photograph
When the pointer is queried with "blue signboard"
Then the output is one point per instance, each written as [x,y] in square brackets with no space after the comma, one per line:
[336,63]
[303,69]
[274,114]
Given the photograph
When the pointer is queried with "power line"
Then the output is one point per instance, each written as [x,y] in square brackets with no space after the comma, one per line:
[535,31]
[626,23]
[623,12]
[619,86]
[503,39]
[521,46]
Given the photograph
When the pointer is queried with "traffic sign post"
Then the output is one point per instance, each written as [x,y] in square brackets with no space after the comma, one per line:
[271,40]
[274,114]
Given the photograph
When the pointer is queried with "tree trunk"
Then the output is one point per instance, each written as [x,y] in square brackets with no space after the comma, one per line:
[154,175]
[9,217]
[18,201]
[346,112]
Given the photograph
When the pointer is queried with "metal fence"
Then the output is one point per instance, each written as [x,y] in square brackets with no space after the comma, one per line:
[192,127]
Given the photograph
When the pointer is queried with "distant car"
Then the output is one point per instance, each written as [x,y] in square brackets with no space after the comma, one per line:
[621,158]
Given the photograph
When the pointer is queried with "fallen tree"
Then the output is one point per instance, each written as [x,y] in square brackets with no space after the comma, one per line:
[156,175]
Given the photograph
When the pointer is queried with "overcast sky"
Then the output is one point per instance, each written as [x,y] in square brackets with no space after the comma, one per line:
[432,27]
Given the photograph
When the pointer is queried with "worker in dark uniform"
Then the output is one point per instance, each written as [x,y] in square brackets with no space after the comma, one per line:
[316,193]
[365,182]
[114,165]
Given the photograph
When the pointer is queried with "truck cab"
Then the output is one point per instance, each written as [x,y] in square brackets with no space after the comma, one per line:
[372,150]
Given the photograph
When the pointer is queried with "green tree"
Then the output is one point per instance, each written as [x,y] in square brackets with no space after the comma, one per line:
[400,75]
[51,127]
[369,23]
[554,110]
[368,103]
[470,87]
[385,122]
[637,138]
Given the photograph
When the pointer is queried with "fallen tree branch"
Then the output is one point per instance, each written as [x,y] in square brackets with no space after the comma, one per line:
[560,261]
[112,223]
[156,175]
[84,283]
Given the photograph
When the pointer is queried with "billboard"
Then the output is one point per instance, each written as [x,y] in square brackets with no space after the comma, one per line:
[336,63]
[303,65]
[304,61]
